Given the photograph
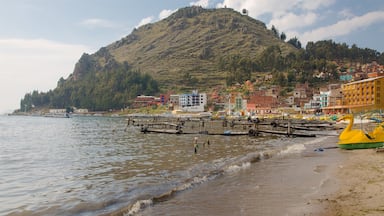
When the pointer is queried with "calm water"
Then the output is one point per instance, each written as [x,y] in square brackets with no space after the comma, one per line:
[97,165]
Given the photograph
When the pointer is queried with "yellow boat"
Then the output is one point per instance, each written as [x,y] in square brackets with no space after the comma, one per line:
[358,139]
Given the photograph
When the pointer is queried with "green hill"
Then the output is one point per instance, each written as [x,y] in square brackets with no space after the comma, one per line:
[189,45]
[195,48]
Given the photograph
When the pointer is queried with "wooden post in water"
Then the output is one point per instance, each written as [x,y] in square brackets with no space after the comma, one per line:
[289,130]
[195,145]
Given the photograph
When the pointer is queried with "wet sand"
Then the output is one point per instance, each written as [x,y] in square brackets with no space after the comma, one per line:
[299,183]
[362,185]
[330,182]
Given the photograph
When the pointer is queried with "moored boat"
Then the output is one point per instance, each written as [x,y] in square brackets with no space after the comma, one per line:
[359,139]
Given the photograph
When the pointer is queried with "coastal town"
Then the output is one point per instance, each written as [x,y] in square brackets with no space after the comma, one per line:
[359,90]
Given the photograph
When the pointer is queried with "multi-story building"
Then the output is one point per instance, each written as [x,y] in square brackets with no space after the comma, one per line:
[174,99]
[194,102]
[314,104]
[364,95]
[143,101]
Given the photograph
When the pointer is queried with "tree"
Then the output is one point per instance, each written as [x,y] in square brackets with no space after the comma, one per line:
[295,42]
[283,36]
[275,31]
[272,58]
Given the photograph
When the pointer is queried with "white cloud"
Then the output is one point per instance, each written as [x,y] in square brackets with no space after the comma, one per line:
[98,23]
[291,21]
[37,64]
[260,7]
[145,21]
[315,4]
[293,16]
[202,3]
[343,27]
[275,7]
[346,13]
[165,13]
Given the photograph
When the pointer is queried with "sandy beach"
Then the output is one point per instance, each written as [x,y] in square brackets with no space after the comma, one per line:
[361,187]
[328,182]
[289,183]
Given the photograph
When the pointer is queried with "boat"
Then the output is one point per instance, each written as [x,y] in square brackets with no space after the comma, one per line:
[359,139]
[165,127]
[57,115]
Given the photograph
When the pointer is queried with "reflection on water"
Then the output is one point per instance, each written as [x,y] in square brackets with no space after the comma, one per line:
[92,165]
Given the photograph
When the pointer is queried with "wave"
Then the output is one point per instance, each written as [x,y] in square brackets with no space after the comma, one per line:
[202,173]
[138,206]
[293,149]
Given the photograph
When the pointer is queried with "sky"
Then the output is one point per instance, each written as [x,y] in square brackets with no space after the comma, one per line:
[41,40]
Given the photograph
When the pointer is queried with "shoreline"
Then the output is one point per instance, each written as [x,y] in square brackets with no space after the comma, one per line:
[361,189]
[294,182]
[331,182]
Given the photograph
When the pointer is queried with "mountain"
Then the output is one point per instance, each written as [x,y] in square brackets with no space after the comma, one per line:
[201,49]
[183,51]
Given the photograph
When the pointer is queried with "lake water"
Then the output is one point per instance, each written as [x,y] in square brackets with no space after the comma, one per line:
[98,165]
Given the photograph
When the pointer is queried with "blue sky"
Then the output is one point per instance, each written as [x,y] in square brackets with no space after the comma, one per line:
[41,40]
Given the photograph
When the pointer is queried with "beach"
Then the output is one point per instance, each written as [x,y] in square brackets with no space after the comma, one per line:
[320,180]
[361,186]
[297,181]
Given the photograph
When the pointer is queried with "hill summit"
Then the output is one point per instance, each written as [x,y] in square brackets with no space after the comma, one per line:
[194,48]
[183,51]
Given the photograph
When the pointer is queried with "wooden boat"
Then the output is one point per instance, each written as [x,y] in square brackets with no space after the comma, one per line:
[359,139]
[165,127]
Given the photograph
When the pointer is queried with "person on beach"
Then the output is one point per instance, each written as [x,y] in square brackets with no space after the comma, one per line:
[195,145]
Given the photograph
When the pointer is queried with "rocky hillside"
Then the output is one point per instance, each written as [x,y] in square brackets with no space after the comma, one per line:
[187,45]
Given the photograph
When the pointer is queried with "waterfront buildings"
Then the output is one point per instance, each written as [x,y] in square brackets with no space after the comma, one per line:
[194,102]
[364,95]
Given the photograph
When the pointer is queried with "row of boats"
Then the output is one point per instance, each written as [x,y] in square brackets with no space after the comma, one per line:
[349,138]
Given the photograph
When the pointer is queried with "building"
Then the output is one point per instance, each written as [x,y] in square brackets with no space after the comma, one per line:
[314,105]
[193,102]
[240,103]
[174,99]
[302,90]
[364,95]
[144,101]
[260,103]
[324,98]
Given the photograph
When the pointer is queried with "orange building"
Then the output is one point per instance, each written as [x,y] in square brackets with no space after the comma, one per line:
[364,95]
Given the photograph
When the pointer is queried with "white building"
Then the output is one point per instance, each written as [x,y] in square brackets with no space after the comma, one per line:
[314,103]
[325,98]
[194,102]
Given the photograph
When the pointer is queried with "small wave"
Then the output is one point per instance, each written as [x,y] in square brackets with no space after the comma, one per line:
[138,206]
[236,168]
[201,173]
[296,148]
[300,147]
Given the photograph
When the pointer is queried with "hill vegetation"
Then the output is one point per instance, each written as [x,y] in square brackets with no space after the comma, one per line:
[194,48]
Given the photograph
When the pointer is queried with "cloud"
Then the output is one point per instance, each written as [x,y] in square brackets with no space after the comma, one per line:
[260,7]
[315,4]
[165,13]
[346,13]
[308,20]
[291,21]
[33,64]
[343,27]
[145,21]
[275,7]
[202,3]
[98,23]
